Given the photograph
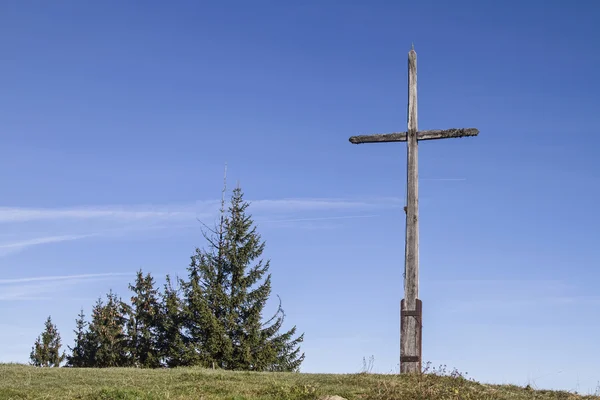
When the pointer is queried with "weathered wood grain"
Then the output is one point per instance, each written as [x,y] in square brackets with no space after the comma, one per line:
[411,305]
[410,328]
[421,135]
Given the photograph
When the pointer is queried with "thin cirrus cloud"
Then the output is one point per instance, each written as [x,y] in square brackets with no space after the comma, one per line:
[76,223]
[321,218]
[324,204]
[55,278]
[16,245]
[45,287]
[12,247]
[140,213]
[18,214]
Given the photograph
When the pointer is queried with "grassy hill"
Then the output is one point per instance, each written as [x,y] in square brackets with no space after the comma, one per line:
[25,382]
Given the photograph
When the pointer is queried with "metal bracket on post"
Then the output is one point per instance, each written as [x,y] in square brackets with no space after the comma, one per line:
[410,359]
[417,313]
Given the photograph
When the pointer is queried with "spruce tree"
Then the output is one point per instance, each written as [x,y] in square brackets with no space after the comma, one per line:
[142,325]
[79,356]
[205,330]
[107,340]
[171,345]
[227,288]
[46,350]
[260,346]
[206,303]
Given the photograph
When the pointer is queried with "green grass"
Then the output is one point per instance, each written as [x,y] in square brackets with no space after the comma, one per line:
[25,382]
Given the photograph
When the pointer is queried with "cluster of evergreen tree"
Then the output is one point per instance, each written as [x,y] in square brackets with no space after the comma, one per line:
[46,349]
[212,318]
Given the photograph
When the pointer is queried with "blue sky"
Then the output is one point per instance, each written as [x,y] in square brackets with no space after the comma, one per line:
[117,118]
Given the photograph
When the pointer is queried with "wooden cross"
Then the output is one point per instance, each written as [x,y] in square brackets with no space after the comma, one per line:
[411,305]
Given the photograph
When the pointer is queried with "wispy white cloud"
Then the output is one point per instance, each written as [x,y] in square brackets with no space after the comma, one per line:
[323,204]
[41,240]
[62,277]
[19,214]
[317,218]
[46,287]
[75,223]
[19,245]
[443,179]
[185,211]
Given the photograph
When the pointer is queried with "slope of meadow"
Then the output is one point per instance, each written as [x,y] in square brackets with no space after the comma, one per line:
[25,382]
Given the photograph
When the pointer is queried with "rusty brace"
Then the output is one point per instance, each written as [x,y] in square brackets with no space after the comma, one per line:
[417,313]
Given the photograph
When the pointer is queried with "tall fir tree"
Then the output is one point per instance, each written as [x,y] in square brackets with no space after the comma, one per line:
[143,322]
[205,330]
[206,301]
[225,294]
[79,356]
[260,346]
[46,349]
[107,340]
[171,346]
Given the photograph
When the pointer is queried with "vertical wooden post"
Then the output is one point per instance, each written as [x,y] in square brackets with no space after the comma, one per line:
[411,325]
[410,336]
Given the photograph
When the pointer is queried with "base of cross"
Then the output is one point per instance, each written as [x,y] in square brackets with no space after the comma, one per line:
[411,353]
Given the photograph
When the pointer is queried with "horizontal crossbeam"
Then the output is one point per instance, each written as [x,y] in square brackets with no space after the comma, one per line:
[421,135]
